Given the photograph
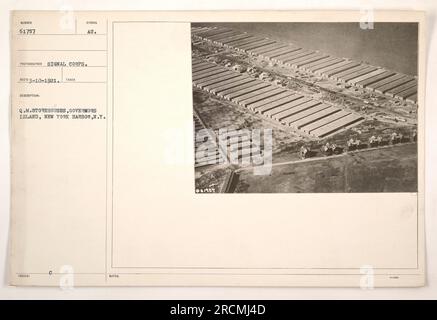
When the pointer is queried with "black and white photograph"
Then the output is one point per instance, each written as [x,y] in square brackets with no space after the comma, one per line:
[127,129]
[303,107]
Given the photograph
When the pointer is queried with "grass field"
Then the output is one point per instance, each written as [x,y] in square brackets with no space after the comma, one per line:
[392,169]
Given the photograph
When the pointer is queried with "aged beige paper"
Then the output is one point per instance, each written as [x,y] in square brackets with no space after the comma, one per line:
[130,128]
